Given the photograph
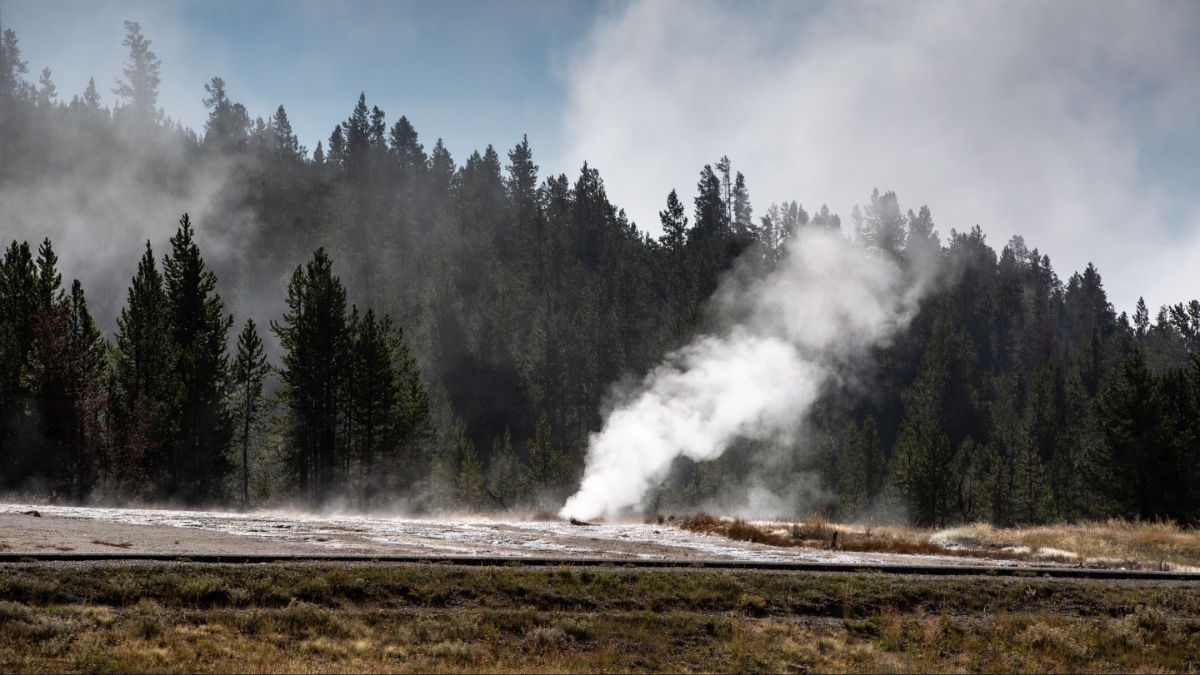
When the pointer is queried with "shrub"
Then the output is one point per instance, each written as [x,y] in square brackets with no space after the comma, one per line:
[754,605]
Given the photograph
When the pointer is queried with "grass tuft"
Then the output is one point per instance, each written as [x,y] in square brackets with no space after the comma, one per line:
[14,611]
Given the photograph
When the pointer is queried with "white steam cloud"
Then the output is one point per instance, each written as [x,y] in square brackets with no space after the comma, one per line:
[1071,123]
[827,301]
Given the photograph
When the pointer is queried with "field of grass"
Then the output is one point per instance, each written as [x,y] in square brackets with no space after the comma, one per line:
[1114,543]
[319,617]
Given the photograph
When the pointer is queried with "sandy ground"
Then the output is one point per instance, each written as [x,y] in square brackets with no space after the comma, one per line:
[110,530]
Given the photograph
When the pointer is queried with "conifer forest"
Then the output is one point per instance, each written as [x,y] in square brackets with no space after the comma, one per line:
[375,324]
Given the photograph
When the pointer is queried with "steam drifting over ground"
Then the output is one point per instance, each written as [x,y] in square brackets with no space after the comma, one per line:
[828,300]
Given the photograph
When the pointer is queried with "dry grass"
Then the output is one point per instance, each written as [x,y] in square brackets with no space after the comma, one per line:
[435,618]
[817,532]
[1114,543]
[71,639]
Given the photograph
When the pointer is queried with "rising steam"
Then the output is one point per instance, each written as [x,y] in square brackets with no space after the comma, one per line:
[826,302]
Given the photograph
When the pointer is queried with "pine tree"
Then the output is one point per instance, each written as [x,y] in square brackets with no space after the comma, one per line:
[287,148]
[874,462]
[674,227]
[547,469]
[924,468]
[521,185]
[139,89]
[64,373]
[1127,467]
[743,212]
[89,357]
[199,327]
[1141,322]
[247,376]
[91,99]
[147,391]
[48,285]
[357,131]
[18,308]
[12,68]
[316,340]
[378,129]
[441,174]
[228,125]
[708,252]
[337,148]
[881,225]
[46,91]
[409,153]
[42,375]
[922,246]
[504,484]
[469,490]
[679,288]
[411,416]
[375,392]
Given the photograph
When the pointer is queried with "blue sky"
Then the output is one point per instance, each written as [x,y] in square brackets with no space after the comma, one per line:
[1070,123]
[472,73]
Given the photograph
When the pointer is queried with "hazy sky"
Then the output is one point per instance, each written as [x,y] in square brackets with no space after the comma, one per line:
[1074,124]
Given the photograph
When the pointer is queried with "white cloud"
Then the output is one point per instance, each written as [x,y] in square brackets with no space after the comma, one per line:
[1037,119]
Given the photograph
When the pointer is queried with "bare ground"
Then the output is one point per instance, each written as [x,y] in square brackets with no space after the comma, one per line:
[156,531]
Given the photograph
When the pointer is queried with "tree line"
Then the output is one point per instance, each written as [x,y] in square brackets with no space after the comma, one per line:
[1012,397]
[160,413]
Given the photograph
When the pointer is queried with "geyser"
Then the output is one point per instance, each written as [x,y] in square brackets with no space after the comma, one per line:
[827,301]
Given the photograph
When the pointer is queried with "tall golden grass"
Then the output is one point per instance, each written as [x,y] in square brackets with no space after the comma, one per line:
[816,531]
[1146,545]
[1112,543]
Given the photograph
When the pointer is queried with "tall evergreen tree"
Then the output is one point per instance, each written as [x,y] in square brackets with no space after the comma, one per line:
[357,131]
[924,465]
[881,225]
[91,100]
[403,142]
[316,340]
[247,375]
[228,125]
[337,148]
[521,184]
[46,91]
[1141,467]
[18,307]
[678,291]
[12,68]
[284,141]
[146,391]
[65,371]
[375,393]
[139,89]
[547,470]
[504,474]
[199,327]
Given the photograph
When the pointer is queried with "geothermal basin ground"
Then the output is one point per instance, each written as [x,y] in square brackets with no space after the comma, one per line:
[32,529]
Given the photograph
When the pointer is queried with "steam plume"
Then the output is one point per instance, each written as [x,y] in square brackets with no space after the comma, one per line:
[827,301]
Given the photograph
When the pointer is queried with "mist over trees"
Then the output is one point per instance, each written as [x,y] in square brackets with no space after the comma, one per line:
[446,335]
